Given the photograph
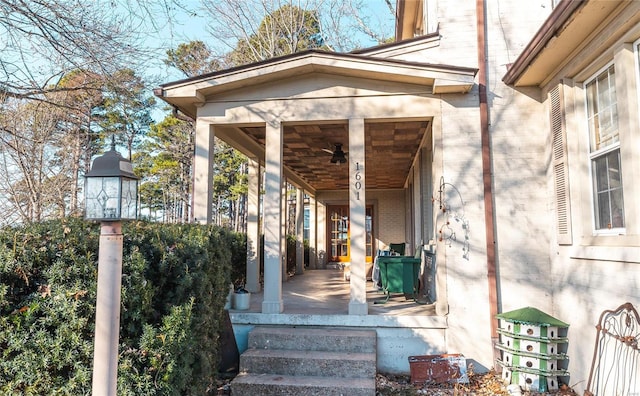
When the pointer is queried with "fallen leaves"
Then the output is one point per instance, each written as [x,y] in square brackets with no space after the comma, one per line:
[487,384]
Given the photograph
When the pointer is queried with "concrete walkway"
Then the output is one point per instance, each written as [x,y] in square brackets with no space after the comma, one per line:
[325,292]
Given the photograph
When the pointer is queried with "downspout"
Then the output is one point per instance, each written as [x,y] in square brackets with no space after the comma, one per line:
[487,175]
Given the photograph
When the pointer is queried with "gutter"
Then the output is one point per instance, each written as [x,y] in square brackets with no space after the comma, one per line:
[487,181]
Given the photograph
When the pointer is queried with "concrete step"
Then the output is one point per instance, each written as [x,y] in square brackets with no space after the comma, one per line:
[285,385]
[318,363]
[307,361]
[312,339]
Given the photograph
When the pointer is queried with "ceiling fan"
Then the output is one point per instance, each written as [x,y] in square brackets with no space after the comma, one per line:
[338,156]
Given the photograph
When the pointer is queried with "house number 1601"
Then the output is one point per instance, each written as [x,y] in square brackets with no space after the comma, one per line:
[358,183]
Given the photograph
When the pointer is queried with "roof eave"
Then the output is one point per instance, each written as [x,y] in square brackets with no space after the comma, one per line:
[560,15]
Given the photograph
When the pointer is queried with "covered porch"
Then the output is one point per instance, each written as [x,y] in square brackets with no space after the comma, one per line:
[284,114]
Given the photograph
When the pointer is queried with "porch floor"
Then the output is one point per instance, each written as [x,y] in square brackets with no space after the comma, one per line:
[325,292]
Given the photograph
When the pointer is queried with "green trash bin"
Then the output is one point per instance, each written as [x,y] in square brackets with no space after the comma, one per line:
[399,274]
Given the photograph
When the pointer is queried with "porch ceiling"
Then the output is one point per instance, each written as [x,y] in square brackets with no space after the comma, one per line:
[389,153]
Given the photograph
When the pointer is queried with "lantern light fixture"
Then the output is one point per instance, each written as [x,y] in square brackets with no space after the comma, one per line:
[111,188]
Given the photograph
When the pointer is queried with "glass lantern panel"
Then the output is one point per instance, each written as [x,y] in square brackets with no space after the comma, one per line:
[129,198]
[102,198]
[93,207]
[93,187]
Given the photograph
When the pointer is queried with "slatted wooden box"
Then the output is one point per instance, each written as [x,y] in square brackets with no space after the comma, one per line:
[446,368]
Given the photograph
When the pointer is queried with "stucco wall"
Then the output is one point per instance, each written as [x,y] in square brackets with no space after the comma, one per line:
[462,224]
[520,150]
[391,216]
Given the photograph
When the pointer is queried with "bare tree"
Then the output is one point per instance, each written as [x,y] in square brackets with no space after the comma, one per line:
[342,24]
[37,180]
[351,24]
[43,40]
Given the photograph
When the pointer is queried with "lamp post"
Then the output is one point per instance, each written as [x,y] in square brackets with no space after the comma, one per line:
[110,196]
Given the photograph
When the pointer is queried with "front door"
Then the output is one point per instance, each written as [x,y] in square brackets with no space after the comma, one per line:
[339,240]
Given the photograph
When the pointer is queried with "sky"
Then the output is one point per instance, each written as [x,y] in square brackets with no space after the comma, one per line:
[185,28]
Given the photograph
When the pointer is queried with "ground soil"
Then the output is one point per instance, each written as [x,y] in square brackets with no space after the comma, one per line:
[488,384]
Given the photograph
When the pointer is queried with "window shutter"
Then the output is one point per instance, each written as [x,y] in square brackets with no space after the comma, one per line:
[560,166]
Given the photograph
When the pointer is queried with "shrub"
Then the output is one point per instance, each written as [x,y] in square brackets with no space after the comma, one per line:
[174,285]
[238,248]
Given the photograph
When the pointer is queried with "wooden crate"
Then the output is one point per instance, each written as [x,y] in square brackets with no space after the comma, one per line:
[438,368]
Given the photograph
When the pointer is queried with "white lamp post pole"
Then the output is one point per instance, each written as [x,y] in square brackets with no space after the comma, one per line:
[105,358]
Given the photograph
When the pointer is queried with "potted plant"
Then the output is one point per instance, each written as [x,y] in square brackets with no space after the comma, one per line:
[241,297]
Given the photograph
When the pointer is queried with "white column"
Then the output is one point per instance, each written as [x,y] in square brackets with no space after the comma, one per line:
[203,173]
[284,218]
[105,355]
[357,216]
[272,205]
[299,231]
[253,227]
[313,226]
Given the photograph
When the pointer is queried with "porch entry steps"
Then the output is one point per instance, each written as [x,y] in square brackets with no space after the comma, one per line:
[307,361]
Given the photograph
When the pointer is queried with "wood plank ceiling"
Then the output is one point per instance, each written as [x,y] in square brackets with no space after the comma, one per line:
[389,152]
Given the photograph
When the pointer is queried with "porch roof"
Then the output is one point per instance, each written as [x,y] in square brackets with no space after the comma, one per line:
[188,94]
[391,144]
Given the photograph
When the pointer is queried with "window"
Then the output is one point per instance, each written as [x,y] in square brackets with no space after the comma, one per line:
[604,151]
[307,222]
[602,110]
[608,191]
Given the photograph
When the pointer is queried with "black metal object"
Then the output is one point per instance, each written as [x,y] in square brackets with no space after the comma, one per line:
[338,155]
[229,363]
[428,278]
[616,355]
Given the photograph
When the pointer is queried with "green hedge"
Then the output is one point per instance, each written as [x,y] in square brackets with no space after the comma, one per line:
[174,286]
